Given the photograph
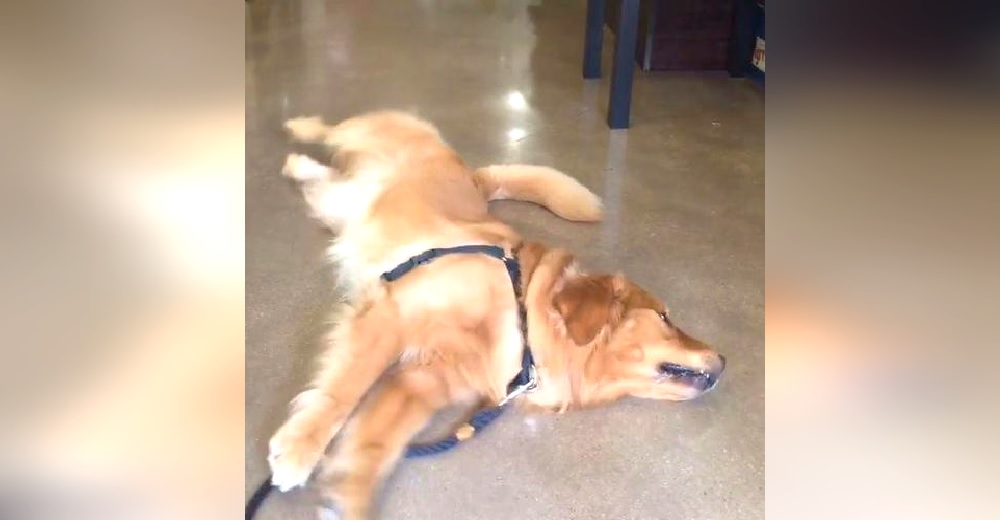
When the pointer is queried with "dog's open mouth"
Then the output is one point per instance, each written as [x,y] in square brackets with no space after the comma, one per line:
[679,374]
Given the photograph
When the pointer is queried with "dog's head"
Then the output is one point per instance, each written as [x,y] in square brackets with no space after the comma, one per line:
[634,347]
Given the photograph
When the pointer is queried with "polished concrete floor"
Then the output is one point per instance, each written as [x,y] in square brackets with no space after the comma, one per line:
[684,189]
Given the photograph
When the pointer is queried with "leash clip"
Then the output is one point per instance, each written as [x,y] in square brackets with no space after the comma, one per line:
[526,388]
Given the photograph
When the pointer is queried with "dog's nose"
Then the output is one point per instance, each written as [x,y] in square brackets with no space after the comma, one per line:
[712,378]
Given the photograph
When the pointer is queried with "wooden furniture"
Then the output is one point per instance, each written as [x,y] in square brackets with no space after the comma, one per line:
[740,47]
[680,34]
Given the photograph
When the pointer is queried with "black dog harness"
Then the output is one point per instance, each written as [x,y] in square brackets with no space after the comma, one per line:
[526,380]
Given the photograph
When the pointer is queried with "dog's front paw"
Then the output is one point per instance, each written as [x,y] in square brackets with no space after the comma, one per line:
[293,456]
[303,168]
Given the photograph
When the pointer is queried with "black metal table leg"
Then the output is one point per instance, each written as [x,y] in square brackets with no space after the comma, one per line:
[593,39]
[620,101]
[741,45]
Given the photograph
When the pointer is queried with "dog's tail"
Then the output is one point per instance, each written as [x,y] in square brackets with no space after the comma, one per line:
[548,187]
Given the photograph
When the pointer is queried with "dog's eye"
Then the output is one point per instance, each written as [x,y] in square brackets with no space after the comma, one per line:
[664,318]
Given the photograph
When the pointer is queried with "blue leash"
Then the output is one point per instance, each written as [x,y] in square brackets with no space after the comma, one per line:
[476,424]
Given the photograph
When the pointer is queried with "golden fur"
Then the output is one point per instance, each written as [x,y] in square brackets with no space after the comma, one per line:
[448,331]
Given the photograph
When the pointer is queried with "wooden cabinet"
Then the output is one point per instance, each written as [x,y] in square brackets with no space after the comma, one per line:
[680,34]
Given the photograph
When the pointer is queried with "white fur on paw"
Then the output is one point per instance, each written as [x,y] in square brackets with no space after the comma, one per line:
[302,167]
[291,167]
[292,458]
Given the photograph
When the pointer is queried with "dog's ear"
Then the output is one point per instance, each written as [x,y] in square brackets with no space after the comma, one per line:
[591,304]
[635,297]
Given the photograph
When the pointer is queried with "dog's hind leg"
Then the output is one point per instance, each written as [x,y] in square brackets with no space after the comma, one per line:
[307,129]
[377,436]
[361,347]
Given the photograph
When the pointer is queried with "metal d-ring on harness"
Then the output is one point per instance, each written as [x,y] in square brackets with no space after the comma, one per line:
[525,381]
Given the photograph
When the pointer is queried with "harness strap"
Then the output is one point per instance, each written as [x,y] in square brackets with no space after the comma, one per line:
[526,379]
[427,256]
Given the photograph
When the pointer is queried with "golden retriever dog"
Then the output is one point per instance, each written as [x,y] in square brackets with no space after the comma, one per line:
[449,330]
